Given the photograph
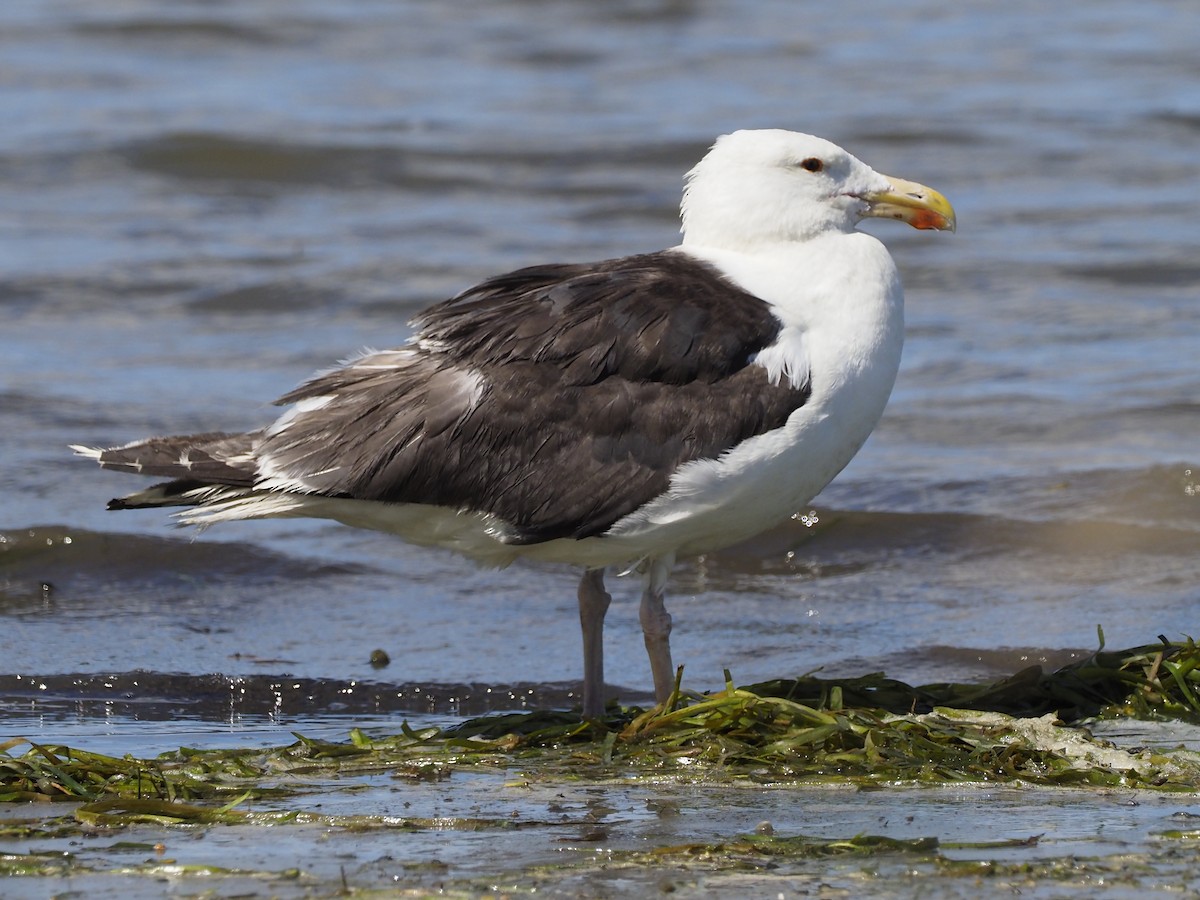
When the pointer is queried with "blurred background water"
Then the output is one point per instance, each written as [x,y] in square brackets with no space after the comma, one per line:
[202,202]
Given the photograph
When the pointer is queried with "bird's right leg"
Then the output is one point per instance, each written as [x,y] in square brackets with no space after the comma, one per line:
[593,604]
[656,626]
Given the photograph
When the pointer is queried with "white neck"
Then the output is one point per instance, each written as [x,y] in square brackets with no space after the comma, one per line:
[839,299]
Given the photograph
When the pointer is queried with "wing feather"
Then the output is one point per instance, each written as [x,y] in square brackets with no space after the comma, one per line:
[558,399]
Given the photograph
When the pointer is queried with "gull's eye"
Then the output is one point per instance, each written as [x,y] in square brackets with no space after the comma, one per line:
[812,164]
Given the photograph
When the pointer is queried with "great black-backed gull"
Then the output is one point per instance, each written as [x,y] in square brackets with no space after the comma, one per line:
[619,413]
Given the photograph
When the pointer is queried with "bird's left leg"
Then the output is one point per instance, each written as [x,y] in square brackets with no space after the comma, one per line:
[656,626]
[593,604]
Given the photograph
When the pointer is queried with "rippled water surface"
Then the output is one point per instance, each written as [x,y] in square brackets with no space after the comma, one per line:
[203,202]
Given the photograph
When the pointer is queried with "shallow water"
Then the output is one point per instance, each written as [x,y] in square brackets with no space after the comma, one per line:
[203,203]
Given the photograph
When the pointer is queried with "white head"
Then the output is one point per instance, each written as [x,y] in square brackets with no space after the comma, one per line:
[771,186]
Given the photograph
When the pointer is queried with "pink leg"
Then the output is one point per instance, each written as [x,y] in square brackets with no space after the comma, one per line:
[656,627]
[593,604]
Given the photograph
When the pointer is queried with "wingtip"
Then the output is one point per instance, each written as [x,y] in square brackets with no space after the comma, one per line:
[87,452]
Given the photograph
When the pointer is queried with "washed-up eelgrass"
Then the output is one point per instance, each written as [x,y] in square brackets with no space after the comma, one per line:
[863,730]
[1157,680]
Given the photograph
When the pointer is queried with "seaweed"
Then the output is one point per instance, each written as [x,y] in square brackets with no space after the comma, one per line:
[1151,681]
[866,731]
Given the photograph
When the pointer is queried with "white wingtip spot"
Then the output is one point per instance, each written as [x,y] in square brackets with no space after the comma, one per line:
[296,410]
[87,452]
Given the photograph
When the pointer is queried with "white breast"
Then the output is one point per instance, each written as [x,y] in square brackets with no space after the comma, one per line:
[845,329]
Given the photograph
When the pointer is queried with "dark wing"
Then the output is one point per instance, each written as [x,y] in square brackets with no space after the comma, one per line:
[193,460]
[557,398]
[662,317]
